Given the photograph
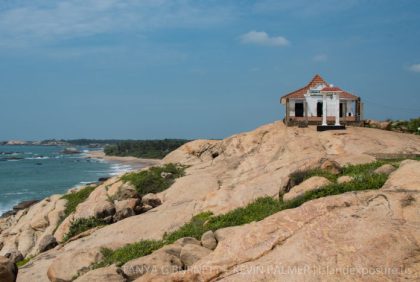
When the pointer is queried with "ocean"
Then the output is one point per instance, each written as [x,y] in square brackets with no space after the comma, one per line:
[36,172]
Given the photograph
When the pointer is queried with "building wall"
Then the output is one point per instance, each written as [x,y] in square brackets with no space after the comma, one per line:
[312,106]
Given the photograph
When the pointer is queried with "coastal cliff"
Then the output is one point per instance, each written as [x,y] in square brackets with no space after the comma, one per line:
[363,230]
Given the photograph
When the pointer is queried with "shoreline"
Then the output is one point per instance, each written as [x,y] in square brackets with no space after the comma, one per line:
[131,161]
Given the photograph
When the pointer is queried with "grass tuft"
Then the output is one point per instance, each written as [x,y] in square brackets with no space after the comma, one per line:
[151,181]
[255,211]
[81,225]
[75,198]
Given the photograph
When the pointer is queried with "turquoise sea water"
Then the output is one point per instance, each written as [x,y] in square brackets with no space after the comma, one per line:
[35,172]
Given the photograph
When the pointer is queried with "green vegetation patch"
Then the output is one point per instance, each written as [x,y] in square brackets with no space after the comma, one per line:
[151,180]
[255,211]
[128,252]
[24,261]
[151,149]
[81,225]
[75,198]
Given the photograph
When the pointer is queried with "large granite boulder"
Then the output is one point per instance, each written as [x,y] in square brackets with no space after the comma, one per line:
[105,274]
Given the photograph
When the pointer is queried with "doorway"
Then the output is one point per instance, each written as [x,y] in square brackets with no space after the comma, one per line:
[319,109]
[299,109]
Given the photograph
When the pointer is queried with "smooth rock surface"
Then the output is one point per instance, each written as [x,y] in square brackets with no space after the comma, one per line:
[385,169]
[105,274]
[208,240]
[192,253]
[310,184]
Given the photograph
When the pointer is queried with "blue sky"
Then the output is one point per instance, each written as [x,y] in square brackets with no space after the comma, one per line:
[196,69]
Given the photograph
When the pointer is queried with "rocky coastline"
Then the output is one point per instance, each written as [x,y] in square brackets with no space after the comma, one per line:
[320,215]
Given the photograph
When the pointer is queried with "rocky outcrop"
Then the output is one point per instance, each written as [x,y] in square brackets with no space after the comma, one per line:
[311,184]
[368,236]
[24,231]
[226,174]
[8,270]
[72,264]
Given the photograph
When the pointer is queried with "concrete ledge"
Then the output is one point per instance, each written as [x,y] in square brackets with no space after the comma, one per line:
[330,127]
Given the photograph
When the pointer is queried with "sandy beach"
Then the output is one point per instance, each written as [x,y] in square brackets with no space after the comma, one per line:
[132,161]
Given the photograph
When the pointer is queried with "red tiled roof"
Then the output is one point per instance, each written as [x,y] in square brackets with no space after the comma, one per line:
[313,83]
[331,89]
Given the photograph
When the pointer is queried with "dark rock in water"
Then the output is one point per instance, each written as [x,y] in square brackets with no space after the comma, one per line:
[103,179]
[8,270]
[70,151]
[47,242]
[38,163]
[8,213]
[25,204]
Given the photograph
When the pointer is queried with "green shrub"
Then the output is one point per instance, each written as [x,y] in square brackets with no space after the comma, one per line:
[301,175]
[24,261]
[81,225]
[151,181]
[255,211]
[195,228]
[75,198]
[128,252]
[153,149]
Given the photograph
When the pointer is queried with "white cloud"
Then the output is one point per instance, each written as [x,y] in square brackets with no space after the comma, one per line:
[33,22]
[320,58]
[414,67]
[262,38]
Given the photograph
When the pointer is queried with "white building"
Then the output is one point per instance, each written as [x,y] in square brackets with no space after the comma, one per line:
[323,104]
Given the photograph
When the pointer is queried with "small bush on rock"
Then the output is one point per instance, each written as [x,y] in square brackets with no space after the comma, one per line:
[151,180]
[81,225]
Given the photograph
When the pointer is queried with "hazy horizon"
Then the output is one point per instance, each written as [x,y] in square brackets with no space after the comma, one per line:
[154,69]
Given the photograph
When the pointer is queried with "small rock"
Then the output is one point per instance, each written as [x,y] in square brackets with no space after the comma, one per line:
[385,169]
[8,270]
[187,241]
[158,262]
[166,175]
[208,240]
[313,183]
[125,208]
[124,213]
[103,179]
[46,243]
[331,166]
[151,200]
[143,209]
[108,274]
[192,253]
[344,179]
[14,256]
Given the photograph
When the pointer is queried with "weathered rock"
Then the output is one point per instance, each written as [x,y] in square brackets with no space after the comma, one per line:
[71,264]
[208,240]
[313,183]
[46,243]
[14,256]
[25,205]
[385,169]
[187,241]
[159,262]
[8,270]
[143,209]
[361,236]
[331,166]
[344,179]
[120,191]
[192,253]
[250,165]
[108,274]
[151,200]
[126,208]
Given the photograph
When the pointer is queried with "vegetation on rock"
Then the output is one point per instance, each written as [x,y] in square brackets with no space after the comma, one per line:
[261,208]
[81,225]
[75,198]
[152,149]
[156,179]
